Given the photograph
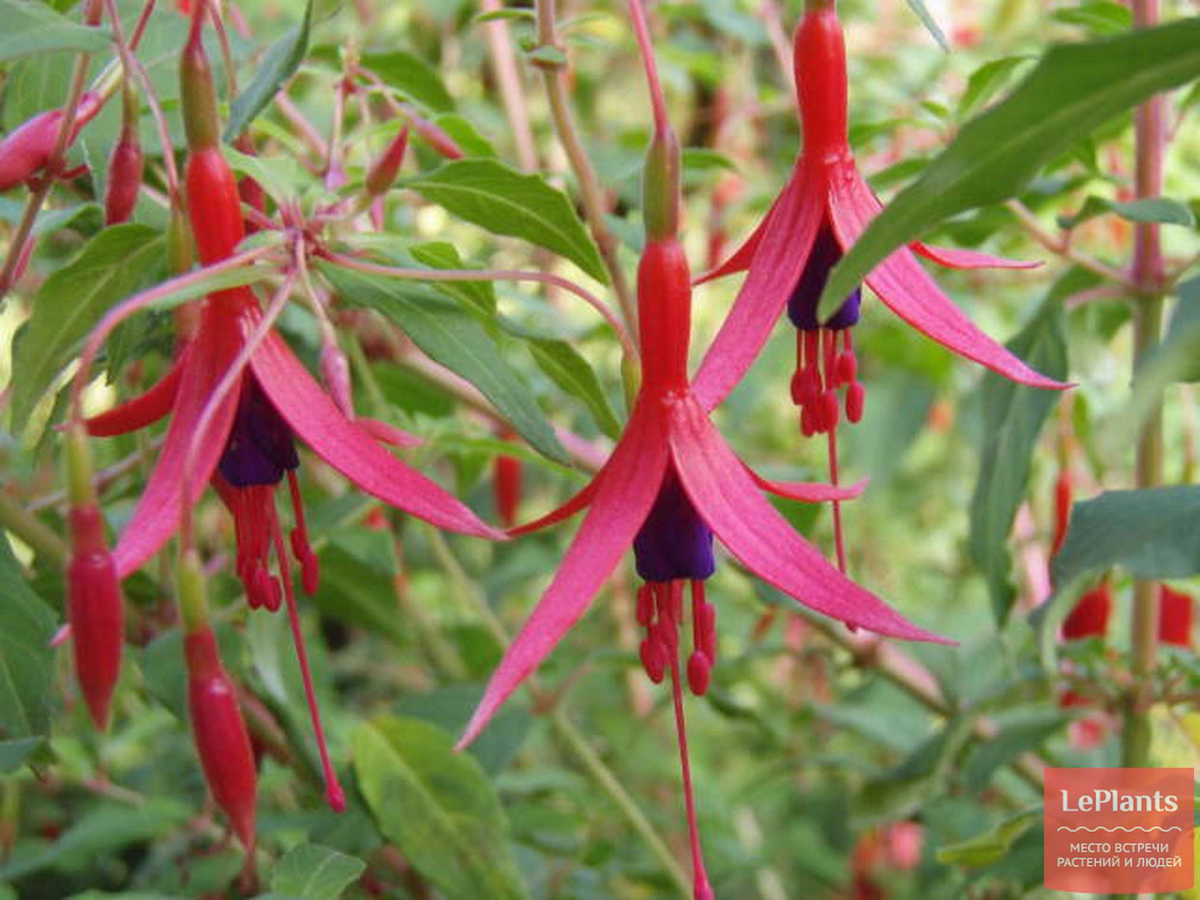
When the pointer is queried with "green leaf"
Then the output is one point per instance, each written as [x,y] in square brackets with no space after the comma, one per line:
[438,807]
[930,23]
[500,15]
[570,371]
[477,295]
[1100,17]
[1151,533]
[1013,419]
[71,302]
[26,658]
[504,201]
[278,65]
[279,176]
[15,753]
[990,846]
[411,76]
[1074,89]
[1155,209]
[102,831]
[985,82]
[1152,209]
[31,26]
[314,872]
[355,592]
[452,337]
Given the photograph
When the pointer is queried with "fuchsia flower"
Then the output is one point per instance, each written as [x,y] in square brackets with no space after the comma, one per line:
[820,213]
[823,209]
[249,442]
[670,486]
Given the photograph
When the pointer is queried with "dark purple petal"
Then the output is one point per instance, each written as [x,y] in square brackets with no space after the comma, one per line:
[673,542]
[261,446]
[802,304]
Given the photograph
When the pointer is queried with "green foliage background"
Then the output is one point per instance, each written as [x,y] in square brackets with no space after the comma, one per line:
[813,756]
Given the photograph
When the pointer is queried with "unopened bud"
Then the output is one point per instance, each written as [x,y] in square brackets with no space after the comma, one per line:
[661,185]
[384,172]
[197,91]
[335,372]
[94,611]
[126,164]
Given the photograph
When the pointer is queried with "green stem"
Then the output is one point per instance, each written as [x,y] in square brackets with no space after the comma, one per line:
[30,529]
[1148,273]
[590,194]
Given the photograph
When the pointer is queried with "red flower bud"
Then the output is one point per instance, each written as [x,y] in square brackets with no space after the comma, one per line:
[1174,617]
[507,485]
[222,741]
[125,167]
[1062,510]
[94,611]
[1089,618]
[27,148]
[384,172]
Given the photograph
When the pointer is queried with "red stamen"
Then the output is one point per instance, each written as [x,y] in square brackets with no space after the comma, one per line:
[837,504]
[334,794]
[645,606]
[702,889]
[855,398]
[310,568]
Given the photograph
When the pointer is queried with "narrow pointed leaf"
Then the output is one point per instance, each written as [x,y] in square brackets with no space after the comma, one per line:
[26,658]
[455,339]
[570,371]
[491,195]
[34,27]
[412,76]
[438,808]
[71,301]
[1013,418]
[278,65]
[1074,89]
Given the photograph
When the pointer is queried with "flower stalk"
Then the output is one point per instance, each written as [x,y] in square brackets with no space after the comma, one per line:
[1148,270]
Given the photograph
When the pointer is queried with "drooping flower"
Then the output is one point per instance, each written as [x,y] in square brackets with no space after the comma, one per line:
[249,444]
[669,488]
[823,209]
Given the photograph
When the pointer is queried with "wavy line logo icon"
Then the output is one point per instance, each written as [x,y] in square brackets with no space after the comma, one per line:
[1126,831]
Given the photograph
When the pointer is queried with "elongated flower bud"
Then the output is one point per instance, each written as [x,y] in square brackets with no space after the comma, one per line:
[125,166]
[384,172]
[93,591]
[661,185]
[27,148]
[197,91]
[222,740]
[508,477]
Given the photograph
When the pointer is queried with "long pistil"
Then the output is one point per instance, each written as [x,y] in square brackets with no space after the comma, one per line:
[701,887]
[334,795]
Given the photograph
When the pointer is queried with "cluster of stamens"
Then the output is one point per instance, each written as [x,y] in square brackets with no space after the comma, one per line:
[260,451]
[822,370]
[660,612]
